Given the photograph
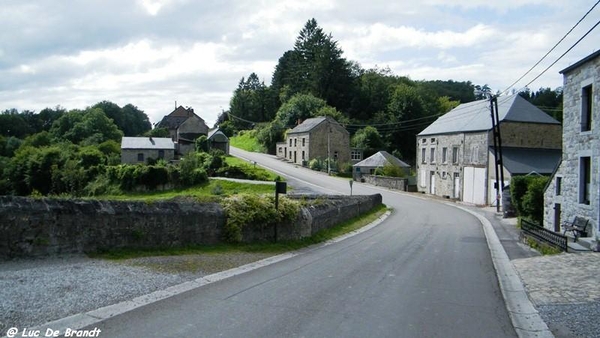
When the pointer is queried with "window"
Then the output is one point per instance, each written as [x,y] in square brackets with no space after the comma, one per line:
[474,154]
[585,174]
[586,108]
[295,142]
[140,157]
[290,152]
[304,141]
[302,155]
[444,155]
[290,144]
[161,153]
[455,155]
[423,155]
[432,156]
[558,185]
[424,140]
[433,140]
[335,155]
[356,155]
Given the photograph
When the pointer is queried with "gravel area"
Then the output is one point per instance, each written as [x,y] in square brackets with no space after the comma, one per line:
[572,320]
[36,291]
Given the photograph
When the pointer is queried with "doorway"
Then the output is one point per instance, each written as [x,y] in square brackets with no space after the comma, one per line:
[557,212]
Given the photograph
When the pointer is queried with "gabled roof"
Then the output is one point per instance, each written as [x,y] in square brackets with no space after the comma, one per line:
[311,123]
[522,161]
[217,133]
[177,117]
[475,116]
[147,143]
[380,159]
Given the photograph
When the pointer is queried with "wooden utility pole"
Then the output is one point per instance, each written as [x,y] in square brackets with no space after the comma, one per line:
[498,165]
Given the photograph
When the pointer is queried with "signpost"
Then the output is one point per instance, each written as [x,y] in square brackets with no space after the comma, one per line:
[280,188]
[351,182]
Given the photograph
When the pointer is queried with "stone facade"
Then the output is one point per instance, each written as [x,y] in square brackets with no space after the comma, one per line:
[574,188]
[473,150]
[133,156]
[326,137]
[41,227]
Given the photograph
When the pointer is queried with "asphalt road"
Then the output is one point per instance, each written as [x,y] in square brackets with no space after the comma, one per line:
[424,272]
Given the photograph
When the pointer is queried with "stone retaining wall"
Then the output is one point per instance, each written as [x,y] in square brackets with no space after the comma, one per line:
[39,227]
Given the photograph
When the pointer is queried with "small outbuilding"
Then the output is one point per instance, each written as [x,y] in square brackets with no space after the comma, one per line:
[377,160]
[140,149]
[218,140]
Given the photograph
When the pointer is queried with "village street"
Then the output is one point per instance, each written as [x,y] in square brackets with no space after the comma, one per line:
[424,272]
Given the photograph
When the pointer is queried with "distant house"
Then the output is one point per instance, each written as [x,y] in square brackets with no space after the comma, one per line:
[184,128]
[455,155]
[316,138]
[380,159]
[574,188]
[140,149]
[218,140]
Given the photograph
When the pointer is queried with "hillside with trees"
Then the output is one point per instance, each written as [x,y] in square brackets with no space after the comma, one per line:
[314,79]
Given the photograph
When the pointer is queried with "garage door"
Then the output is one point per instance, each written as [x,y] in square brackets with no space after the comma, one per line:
[474,185]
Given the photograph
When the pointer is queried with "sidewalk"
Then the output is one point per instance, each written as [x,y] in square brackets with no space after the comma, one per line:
[564,288]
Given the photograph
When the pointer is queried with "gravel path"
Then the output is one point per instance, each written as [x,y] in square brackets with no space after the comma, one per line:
[33,292]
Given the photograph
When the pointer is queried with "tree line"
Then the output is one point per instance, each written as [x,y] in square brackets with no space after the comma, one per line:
[314,79]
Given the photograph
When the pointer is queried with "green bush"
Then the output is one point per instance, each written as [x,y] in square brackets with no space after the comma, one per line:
[316,164]
[245,210]
[527,193]
[533,201]
[518,188]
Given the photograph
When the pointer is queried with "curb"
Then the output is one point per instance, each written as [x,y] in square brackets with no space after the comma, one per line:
[525,318]
[82,320]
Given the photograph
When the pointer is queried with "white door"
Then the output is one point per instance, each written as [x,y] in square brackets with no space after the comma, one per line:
[456,185]
[432,183]
[474,185]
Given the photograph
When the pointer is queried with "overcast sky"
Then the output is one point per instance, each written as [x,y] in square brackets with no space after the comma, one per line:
[152,53]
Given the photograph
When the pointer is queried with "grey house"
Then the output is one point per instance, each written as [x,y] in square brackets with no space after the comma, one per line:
[318,137]
[455,156]
[377,160]
[184,128]
[140,149]
[574,188]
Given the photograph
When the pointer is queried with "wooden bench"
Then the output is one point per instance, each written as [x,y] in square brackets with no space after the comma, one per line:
[577,228]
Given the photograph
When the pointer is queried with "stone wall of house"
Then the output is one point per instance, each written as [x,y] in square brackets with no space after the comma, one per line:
[471,151]
[314,144]
[529,135]
[131,155]
[39,227]
[577,144]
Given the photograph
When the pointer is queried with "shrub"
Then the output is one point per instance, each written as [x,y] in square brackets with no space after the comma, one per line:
[316,164]
[533,200]
[518,188]
[256,211]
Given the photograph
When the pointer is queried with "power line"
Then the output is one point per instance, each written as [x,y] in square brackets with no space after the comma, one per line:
[565,53]
[550,51]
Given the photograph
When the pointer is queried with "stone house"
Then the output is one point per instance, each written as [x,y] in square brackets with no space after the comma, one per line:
[455,154]
[140,149]
[375,161]
[574,187]
[184,128]
[316,138]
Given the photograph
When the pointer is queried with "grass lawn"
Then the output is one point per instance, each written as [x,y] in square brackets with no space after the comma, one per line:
[246,140]
[210,191]
[248,167]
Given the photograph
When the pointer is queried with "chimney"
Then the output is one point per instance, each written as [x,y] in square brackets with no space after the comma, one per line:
[299,122]
[151,140]
[175,104]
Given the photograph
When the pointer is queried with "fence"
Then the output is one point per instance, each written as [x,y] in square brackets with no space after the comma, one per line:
[542,234]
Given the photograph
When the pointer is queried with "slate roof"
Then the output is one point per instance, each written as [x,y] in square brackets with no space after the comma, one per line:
[216,132]
[177,117]
[147,143]
[580,62]
[522,161]
[308,124]
[380,159]
[475,116]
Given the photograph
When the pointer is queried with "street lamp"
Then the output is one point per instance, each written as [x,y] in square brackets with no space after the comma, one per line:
[328,148]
